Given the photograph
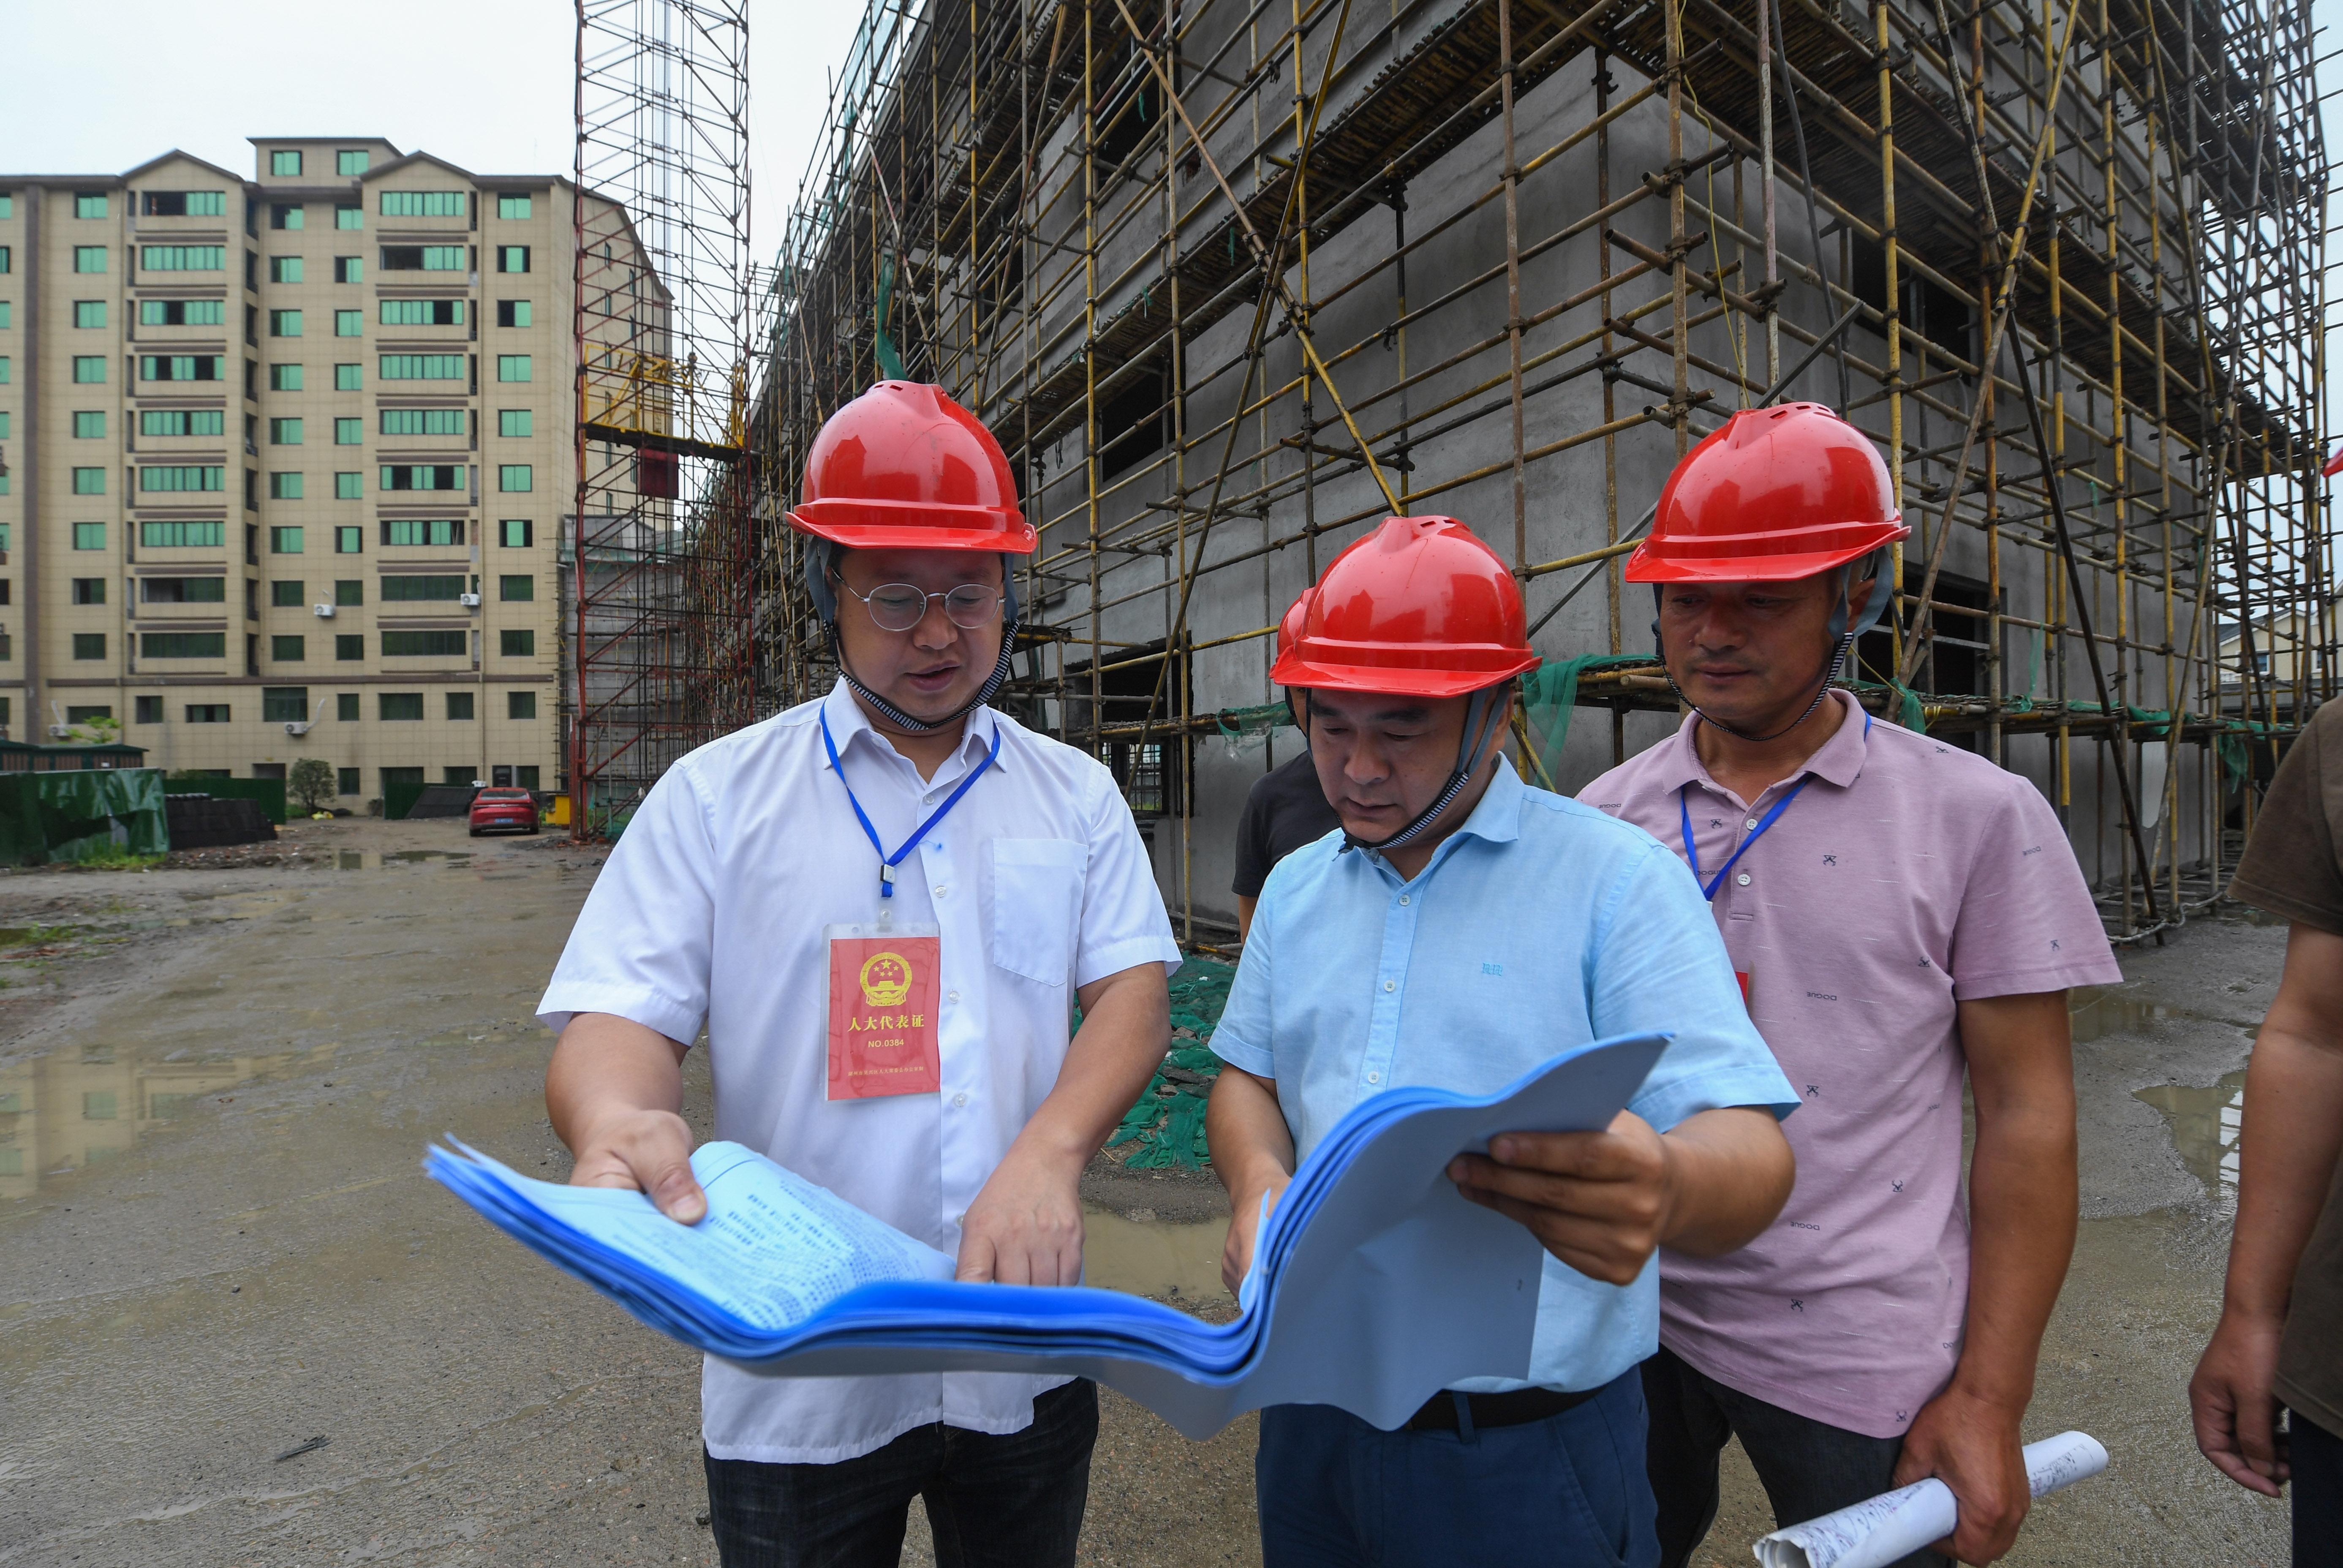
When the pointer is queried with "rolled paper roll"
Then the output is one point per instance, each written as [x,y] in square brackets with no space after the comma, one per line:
[1894,1524]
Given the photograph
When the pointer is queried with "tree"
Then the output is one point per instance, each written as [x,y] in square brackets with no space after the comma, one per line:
[102,731]
[312,779]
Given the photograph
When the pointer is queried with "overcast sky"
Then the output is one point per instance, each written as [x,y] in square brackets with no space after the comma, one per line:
[103,85]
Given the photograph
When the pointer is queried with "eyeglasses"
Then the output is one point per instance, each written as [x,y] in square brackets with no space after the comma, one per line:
[899,606]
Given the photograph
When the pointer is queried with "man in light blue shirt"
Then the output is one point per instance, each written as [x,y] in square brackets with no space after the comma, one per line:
[1461,929]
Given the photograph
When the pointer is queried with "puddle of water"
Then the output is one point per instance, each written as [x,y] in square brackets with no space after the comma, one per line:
[2095,1011]
[60,1114]
[2205,1124]
[375,860]
[1152,1258]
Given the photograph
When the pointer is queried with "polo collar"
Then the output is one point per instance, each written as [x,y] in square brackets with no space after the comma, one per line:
[1496,819]
[849,723]
[1838,761]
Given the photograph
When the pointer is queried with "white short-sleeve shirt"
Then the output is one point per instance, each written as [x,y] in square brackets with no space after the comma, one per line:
[711,909]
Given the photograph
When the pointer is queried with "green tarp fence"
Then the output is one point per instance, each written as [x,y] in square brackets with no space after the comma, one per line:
[52,818]
[1168,1121]
[269,792]
[398,797]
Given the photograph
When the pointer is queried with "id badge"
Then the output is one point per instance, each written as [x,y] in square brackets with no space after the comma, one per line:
[883,980]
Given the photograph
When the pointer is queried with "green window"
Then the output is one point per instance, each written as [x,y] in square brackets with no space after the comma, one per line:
[349,431]
[422,477]
[422,204]
[284,486]
[184,590]
[89,536]
[351,161]
[516,589]
[346,710]
[349,592]
[520,705]
[421,367]
[89,313]
[287,649]
[89,481]
[350,377]
[286,214]
[349,646]
[285,432]
[423,421]
[516,533]
[349,487]
[89,204]
[401,588]
[286,542]
[349,323]
[454,644]
[179,367]
[420,532]
[346,779]
[349,269]
[89,368]
[283,165]
[515,478]
[517,643]
[89,424]
[349,539]
[512,207]
[184,477]
[7,371]
[187,203]
[348,217]
[515,422]
[284,269]
[182,313]
[283,704]
[512,312]
[459,705]
[181,536]
[98,1105]
[89,590]
[512,258]
[89,258]
[183,645]
[422,312]
[7,314]
[284,323]
[287,593]
[397,706]
[284,378]
[512,368]
[89,645]
[184,258]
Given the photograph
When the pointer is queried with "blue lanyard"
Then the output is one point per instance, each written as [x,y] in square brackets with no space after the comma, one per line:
[1692,851]
[887,862]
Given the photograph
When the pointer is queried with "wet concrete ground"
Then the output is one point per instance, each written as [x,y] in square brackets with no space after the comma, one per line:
[214,1086]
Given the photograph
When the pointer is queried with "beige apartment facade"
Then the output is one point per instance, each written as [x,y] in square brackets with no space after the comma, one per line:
[288,460]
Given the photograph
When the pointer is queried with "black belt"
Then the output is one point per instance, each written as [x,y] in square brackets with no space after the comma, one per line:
[1438,1413]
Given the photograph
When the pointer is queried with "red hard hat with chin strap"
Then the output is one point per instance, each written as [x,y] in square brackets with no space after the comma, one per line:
[903,467]
[1419,607]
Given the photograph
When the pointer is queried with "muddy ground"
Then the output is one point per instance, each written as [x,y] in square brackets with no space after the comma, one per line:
[215,1083]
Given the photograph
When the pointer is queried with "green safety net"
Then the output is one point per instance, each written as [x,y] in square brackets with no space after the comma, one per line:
[49,818]
[1549,697]
[1167,1124]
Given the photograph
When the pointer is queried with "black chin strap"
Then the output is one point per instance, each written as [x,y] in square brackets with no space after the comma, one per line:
[1478,712]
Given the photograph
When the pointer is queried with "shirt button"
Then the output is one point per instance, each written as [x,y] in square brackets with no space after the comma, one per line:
[959,1101]
[951,996]
[1402,900]
[1375,1078]
[1391,985]
[1743,879]
[941,889]
[1751,824]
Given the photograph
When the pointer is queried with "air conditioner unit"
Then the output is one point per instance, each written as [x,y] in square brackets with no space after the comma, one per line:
[60,731]
[323,611]
[468,600]
[297,726]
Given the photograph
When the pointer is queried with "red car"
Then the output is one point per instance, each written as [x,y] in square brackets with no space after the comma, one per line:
[503,808]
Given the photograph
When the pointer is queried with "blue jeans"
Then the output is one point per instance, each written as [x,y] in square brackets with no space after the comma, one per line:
[1334,1492]
[1014,1501]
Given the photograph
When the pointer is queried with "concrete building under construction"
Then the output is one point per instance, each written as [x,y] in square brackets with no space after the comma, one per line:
[1233,282]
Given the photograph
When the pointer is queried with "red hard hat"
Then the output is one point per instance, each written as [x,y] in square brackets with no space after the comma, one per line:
[1419,607]
[903,467]
[1777,494]
[1288,626]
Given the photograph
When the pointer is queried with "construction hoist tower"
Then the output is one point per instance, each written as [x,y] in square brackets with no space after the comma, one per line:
[657,558]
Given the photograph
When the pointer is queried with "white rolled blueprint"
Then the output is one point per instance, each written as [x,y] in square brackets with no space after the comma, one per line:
[1879,1530]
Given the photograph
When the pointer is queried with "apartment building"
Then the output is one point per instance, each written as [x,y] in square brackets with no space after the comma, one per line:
[285,462]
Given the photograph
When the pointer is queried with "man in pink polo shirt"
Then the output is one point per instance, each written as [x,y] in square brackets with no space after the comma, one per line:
[1898,910]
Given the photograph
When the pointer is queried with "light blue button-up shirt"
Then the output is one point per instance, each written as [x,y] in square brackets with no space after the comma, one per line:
[1539,925]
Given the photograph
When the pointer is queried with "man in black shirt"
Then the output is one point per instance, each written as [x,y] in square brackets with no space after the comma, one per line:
[1285,809]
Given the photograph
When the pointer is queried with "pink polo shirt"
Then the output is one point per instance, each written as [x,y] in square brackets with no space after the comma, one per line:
[1906,877]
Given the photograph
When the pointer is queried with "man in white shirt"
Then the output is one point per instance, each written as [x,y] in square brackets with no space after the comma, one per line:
[883,905]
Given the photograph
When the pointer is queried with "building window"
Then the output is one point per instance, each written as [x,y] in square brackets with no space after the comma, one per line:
[512,368]
[89,313]
[184,477]
[183,590]
[512,258]
[459,706]
[7,370]
[421,531]
[349,539]
[346,779]
[349,323]
[283,704]
[421,367]
[516,533]
[89,425]
[422,312]
[284,323]
[89,645]
[512,206]
[284,432]
[350,161]
[348,487]
[181,536]
[284,542]
[422,204]
[406,588]
[179,367]
[516,589]
[89,590]
[425,645]
[398,707]
[516,422]
[286,593]
[349,646]
[349,431]
[345,709]
[146,710]
[519,642]
[347,215]
[350,377]
[89,258]
[285,215]
[183,645]
[349,592]
[89,204]
[181,421]
[89,481]
[284,378]
[183,258]
[89,369]
[515,479]
[89,536]
[98,1105]
[186,203]
[283,649]
[520,705]
[182,313]
[425,258]
[283,165]
[284,269]
[421,476]
[349,269]
[512,312]
[284,486]
[423,421]
[7,254]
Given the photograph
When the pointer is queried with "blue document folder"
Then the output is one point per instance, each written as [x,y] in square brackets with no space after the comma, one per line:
[1374,1284]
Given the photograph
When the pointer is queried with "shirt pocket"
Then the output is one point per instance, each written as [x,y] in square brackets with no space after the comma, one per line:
[1037,906]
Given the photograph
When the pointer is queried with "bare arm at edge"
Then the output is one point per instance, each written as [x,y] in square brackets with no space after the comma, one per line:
[614,1091]
[1252,1150]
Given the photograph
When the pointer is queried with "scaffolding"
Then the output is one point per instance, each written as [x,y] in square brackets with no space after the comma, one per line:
[658,559]
[1233,279]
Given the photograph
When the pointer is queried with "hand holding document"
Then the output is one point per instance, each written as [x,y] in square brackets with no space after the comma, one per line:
[1374,1282]
[1895,1524]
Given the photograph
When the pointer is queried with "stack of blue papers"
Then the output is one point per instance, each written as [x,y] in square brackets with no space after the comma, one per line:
[1375,1283]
